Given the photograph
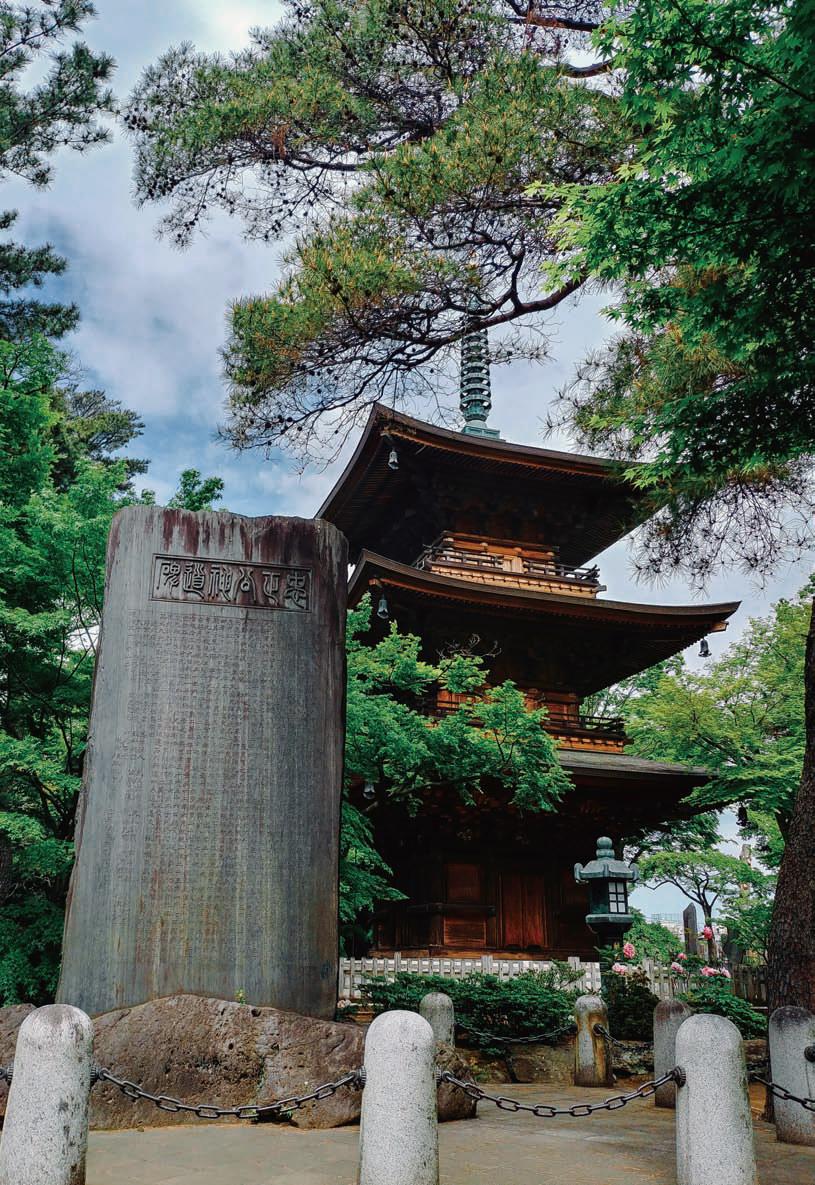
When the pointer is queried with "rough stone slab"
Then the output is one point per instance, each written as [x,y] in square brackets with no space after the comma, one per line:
[669,1015]
[208,827]
[228,1053]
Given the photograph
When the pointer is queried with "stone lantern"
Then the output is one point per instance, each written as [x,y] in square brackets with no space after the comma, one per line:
[608,879]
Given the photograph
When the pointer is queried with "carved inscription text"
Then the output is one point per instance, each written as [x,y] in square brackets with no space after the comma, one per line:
[228,582]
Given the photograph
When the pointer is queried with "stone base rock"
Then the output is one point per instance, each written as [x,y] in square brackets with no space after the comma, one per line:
[10,1020]
[215,1051]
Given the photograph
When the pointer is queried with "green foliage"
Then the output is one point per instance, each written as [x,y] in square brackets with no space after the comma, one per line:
[705,877]
[363,876]
[391,742]
[30,943]
[704,230]
[196,492]
[630,1004]
[535,1002]
[650,939]
[716,995]
[742,718]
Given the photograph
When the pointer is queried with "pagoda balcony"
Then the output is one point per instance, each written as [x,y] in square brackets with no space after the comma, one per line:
[507,566]
[598,734]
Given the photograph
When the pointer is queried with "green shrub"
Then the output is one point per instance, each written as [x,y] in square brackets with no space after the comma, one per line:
[630,1004]
[716,996]
[528,1004]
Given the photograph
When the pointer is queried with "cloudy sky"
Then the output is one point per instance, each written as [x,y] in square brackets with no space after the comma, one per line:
[153,318]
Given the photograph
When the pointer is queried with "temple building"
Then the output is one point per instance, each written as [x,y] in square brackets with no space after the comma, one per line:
[464,535]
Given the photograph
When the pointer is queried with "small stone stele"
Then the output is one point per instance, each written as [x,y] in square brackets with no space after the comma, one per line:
[208,828]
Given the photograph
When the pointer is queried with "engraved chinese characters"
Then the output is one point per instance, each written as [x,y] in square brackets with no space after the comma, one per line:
[207,844]
[217,582]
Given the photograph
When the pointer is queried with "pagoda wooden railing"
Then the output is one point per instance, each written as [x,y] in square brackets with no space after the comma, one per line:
[488,562]
[604,729]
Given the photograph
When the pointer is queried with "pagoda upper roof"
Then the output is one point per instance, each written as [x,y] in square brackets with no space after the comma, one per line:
[597,641]
[576,504]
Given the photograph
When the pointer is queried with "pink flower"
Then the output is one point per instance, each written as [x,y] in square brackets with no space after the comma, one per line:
[678,968]
[629,950]
[620,968]
[707,971]
[707,932]
[682,957]
[725,973]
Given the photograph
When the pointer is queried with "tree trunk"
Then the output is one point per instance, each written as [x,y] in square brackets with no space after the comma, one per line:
[791,947]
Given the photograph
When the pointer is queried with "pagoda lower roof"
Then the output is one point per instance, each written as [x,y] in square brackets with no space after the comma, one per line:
[446,480]
[592,641]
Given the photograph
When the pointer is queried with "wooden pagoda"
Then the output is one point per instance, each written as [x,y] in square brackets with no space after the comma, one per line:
[465,535]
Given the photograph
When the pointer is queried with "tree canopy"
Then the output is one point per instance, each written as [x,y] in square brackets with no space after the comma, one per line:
[61,110]
[397,142]
[707,230]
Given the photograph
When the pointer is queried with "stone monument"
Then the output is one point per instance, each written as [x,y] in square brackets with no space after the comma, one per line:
[208,827]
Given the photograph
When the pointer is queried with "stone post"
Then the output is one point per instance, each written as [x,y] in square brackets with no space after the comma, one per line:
[791,1033]
[208,827]
[398,1134]
[438,1011]
[690,926]
[592,1057]
[714,1127]
[45,1133]
[668,1016]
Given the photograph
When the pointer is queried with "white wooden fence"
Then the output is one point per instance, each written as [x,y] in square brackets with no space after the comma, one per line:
[748,982]
[354,971]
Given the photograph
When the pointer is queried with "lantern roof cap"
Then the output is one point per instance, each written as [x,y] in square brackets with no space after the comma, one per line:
[606,866]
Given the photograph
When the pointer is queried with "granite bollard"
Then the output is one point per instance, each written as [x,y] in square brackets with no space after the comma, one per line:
[592,1058]
[714,1127]
[398,1134]
[45,1133]
[791,1034]
[437,1009]
[668,1016]
[208,825]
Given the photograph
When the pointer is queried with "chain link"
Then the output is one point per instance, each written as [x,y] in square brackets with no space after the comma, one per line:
[6,1074]
[165,1102]
[536,1039]
[576,1110]
[602,1031]
[781,1092]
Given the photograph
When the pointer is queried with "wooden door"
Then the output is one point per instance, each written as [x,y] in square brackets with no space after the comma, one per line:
[523,910]
[465,927]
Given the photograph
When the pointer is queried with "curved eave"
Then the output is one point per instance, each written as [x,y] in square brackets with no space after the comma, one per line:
[629,768]
[697,620]
[367,478]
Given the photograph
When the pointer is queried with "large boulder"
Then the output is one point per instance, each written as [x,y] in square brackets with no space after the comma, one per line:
[10,1020]
[228,1054]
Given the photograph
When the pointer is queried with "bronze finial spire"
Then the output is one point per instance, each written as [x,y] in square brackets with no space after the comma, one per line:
[475,399]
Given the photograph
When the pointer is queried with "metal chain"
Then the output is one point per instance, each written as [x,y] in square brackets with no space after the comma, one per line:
[602,1031]
[781,1092]
[354,1079]
[6,1074]
[536,1039]
[576,1110]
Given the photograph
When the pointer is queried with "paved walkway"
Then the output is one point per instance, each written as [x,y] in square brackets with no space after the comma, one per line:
[627,1147]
